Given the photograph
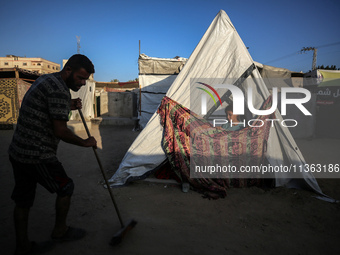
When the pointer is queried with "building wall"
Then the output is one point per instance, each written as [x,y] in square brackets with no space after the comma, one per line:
[118,104]
[39,65]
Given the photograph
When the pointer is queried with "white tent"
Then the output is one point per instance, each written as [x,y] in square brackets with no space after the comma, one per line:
[219,54]
[86,94]
[155,78]
[281,77]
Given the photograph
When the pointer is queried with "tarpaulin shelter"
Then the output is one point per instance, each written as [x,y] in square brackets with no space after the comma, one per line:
[220,54]
[155,78]
[86,94]
[279,77]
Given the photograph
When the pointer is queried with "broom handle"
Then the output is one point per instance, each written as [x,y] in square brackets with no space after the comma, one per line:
[102,169]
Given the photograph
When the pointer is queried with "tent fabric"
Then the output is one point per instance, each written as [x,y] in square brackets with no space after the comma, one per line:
[275,76]
[86,94]
[274,72]
[149,65]
[187,134]
[220,54]
[153,89]
[155,78]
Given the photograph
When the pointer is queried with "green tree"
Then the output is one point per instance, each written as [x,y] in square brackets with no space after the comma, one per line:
[133,80]
[332,67]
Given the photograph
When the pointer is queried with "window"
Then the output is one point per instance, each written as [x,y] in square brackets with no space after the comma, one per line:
[24,64]
[39,64]
[6,63]
[48,66]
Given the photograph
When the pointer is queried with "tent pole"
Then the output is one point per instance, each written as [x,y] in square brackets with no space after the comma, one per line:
[226,95]
[140,89]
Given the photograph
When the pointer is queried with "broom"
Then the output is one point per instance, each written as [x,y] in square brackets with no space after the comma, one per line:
[118,237]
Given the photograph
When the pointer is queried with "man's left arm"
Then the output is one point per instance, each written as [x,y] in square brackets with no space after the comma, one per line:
[59,116]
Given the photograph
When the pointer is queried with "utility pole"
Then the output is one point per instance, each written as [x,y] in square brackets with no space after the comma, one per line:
[78,44]
[304,49]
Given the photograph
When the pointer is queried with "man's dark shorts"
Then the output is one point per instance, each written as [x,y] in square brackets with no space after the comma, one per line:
[52,176]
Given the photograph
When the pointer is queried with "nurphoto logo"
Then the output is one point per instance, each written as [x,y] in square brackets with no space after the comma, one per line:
[239,100]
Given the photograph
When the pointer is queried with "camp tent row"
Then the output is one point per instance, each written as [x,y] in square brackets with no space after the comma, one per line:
[219,54]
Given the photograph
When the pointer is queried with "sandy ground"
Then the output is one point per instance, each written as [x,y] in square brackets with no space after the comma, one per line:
[247,221]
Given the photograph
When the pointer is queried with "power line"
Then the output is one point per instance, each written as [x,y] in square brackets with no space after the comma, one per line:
[326,45]
[284,57]
[299,52]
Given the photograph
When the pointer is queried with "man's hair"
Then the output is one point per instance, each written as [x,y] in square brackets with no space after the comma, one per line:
[79,61]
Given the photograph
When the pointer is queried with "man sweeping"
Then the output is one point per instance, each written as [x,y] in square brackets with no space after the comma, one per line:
[42,123]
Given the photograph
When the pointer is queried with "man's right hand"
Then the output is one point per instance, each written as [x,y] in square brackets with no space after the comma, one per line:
[62,132]
[90,142]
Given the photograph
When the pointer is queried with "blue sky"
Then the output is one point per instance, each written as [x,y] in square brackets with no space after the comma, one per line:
[110,30]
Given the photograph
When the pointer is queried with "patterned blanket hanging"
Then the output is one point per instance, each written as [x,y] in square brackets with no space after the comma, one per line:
[187,135]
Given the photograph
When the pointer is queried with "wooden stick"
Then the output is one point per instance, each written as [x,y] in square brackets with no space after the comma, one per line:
[102,170]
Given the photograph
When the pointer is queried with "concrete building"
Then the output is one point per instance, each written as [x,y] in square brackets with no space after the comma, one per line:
[39,65]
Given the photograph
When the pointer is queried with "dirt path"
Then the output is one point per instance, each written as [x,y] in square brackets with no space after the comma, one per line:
[247,221]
